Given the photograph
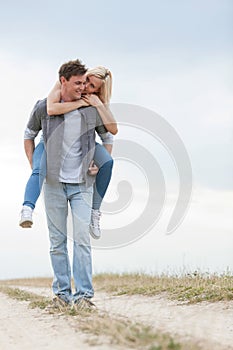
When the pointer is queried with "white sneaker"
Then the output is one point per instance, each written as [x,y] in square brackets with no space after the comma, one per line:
[26,217]
[95,224]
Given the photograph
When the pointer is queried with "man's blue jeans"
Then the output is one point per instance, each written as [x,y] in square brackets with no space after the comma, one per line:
[57,196]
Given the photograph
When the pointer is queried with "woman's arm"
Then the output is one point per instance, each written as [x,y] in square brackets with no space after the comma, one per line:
[104,112]
[55,107]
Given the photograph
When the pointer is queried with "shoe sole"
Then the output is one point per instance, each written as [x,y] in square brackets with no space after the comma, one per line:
[92,234]
[26,224]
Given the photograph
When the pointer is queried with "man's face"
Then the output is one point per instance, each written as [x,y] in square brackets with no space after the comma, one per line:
[72,89]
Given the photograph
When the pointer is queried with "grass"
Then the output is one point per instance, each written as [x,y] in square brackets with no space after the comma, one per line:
[118,331]
[34,300]
[30,282]
[191,288]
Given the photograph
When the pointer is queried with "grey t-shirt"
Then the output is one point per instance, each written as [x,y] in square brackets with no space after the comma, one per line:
[70,171]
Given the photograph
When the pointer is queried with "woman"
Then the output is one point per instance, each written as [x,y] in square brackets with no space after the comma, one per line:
[97,93]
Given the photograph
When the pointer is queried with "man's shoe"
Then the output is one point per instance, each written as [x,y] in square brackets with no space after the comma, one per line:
[95,224]
[26,217]
[58,304]
[84,304]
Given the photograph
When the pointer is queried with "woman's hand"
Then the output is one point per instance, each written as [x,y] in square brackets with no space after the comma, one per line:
[92,100]
[93,169]
[104,112]
[83,102]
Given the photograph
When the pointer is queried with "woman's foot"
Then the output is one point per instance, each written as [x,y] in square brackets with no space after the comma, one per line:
[26,217]
[95,224]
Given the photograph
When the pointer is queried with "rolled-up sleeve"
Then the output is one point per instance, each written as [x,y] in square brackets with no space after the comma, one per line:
[30,134]
[100,128]
[106,138]
[34,124]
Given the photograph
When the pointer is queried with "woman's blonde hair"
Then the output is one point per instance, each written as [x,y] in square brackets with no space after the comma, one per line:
[105,75]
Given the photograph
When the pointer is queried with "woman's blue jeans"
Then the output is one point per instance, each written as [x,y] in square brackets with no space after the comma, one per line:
[36,179]
[102,159]
[104,162]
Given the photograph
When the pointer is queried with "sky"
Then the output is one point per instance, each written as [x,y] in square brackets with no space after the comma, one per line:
[172,58]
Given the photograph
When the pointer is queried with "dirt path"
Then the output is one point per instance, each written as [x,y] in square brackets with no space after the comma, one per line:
[22,328]
[209,325]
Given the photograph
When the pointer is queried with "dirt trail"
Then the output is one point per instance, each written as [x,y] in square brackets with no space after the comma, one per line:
[209,325]
[22,328]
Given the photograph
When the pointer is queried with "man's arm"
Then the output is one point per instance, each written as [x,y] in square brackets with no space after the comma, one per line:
[39,110]
[106,137]
[107,141]
[29,146]
[33,128]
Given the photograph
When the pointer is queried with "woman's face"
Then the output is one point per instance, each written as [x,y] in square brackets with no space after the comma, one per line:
[93,84]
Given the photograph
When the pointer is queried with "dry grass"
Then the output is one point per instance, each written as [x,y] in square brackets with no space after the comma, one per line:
[30,282]
[128,334]
[118,331]
[190,288]
[34,300]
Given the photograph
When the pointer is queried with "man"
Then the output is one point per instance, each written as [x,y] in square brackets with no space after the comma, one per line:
[70,145]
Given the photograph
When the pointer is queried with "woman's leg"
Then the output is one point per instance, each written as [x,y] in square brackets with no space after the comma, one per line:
[34,185]
[104,162]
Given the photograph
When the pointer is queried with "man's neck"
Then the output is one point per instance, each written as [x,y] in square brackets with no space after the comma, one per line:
[66,98]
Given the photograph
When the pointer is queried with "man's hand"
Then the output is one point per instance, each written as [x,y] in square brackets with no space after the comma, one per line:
[93,169]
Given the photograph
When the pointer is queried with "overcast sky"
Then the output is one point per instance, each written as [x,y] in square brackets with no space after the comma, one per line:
[171,57]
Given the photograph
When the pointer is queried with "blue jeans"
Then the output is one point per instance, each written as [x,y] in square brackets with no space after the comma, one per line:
[57,195]
[102,159]
[35,181]
[104,162]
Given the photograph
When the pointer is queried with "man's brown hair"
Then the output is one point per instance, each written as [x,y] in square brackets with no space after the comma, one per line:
[67,70]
